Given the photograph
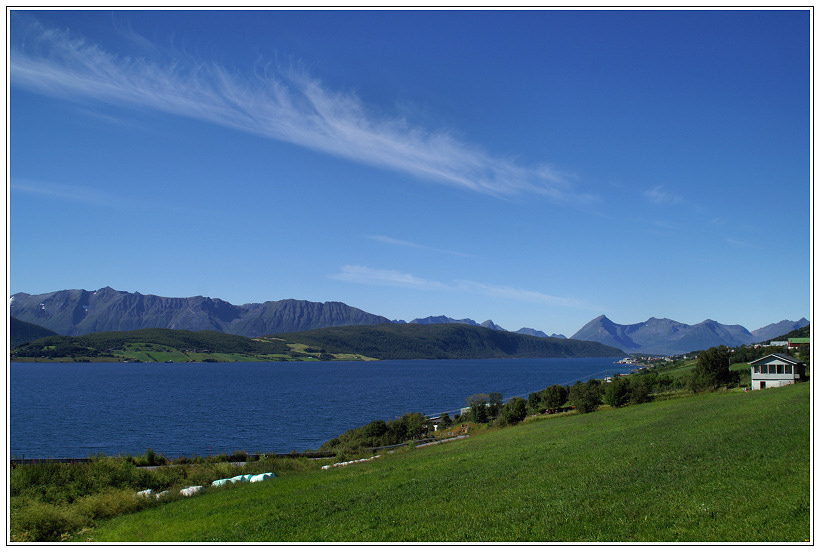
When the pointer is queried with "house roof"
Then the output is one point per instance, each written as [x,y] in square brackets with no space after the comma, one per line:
[779,356]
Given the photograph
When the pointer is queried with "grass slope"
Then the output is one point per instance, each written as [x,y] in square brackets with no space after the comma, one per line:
[716,467]
[444,341]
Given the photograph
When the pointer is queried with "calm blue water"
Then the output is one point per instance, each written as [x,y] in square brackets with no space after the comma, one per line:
[75,410]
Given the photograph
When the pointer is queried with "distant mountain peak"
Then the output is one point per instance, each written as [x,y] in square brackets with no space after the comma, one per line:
[666,336]
[441,319]
[492,325]
[771,331]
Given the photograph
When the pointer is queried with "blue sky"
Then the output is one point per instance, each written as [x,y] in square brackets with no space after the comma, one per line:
[536,168]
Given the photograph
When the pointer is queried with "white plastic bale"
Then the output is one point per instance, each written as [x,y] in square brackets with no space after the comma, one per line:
[188,491]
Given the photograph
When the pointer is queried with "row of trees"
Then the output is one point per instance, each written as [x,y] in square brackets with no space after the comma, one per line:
[486,407]
[552,397]
[711,372]
[378,433]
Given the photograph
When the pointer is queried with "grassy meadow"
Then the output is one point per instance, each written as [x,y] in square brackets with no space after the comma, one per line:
[723,466]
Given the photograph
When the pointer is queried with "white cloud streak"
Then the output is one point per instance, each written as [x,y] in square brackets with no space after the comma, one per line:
[522,295]
[94,197]
[660,196]
[287,106]
[401,243]
[741,243]
[371,276]
[79,194]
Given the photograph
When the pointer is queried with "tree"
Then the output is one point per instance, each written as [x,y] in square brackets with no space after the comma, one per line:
[514,411]
[617,392]
[495,404]
[446,421]
[375,429]
[586,396]
[417,425]
[638,390]
[712,369]
[409,426]
[534,401]
[478,407]
[554,396]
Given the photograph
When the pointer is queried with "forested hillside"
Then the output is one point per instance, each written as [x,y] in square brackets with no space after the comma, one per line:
[443,341]
[101,344]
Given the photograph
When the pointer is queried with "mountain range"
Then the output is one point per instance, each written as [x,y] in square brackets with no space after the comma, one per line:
[79,312]
[486,324]
[664,336]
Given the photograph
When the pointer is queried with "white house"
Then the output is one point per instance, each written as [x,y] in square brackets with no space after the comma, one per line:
[776,370]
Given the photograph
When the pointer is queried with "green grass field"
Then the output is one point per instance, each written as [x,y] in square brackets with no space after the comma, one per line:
[715,467]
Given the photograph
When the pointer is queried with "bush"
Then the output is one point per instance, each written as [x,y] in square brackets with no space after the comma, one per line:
[108,504]
[51,500]
[239,456]
[379,433]
[33,520]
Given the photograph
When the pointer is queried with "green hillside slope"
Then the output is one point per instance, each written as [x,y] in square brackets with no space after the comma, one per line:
[385,341]
[444,341]
[153,345]
[717,467]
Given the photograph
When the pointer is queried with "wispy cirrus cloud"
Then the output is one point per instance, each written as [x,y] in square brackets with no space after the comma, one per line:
[95,197]
[413,245]
[372,276]
[742,243]
[283,105]
[523,295]
[660,196]
[55,190]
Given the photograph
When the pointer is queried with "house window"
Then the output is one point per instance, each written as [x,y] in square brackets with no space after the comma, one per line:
[764,369]
[780,368]
[789,369]
[757,369]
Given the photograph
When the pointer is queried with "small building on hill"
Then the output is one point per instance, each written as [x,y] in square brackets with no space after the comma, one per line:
[798,341]
[776,370]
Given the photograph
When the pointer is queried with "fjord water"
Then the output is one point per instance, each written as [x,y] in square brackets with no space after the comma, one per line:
[67,410]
